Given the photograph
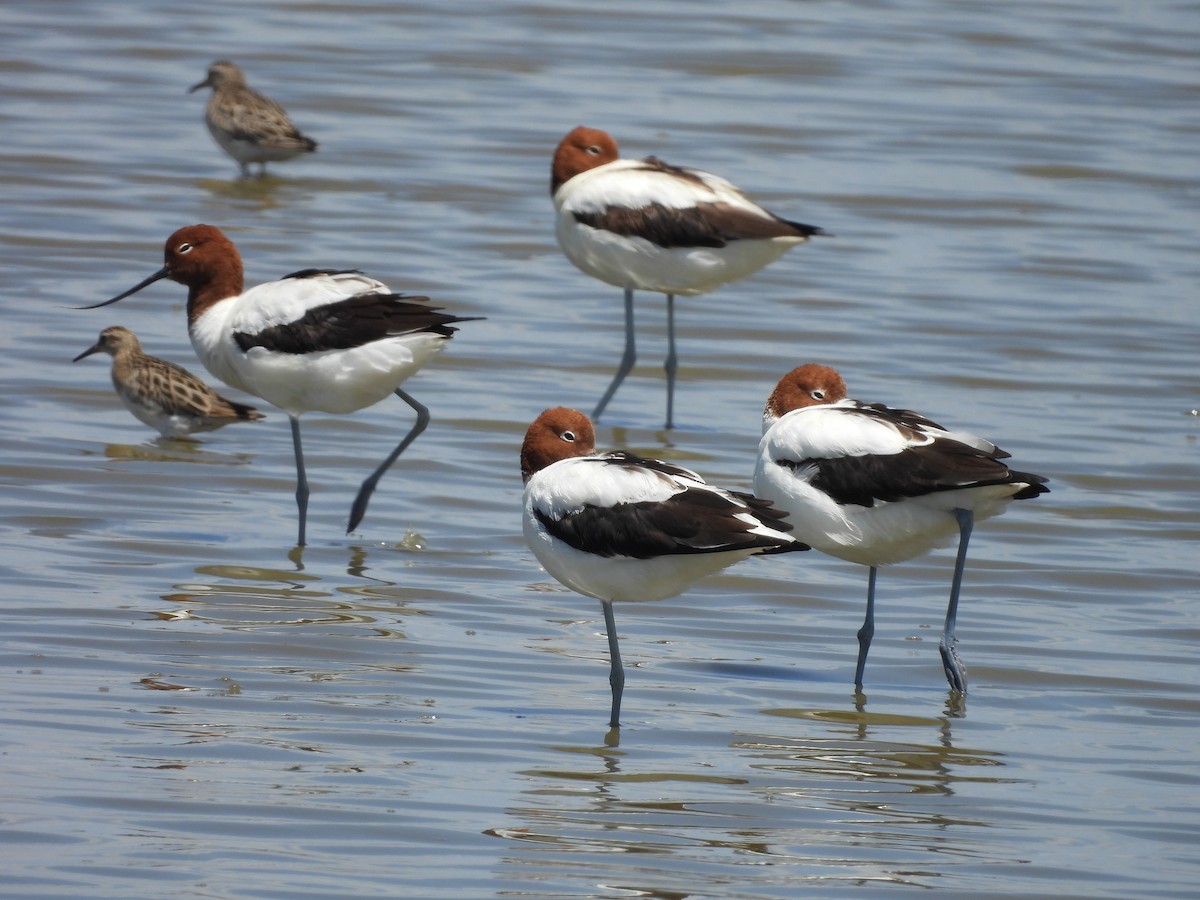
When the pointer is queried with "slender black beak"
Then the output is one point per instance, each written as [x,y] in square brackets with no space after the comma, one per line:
[157,276]
[95,348]
[207,82]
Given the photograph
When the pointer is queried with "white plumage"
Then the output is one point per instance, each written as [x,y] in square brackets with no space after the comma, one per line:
[637,262]
[570,486]
[329,381]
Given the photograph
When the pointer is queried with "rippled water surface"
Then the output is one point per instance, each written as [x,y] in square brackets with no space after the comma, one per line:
[191,709]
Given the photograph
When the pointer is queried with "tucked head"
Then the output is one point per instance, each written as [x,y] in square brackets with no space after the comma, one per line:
[221,74]
[808,385]
[582,149]
[556,434]
[112,341]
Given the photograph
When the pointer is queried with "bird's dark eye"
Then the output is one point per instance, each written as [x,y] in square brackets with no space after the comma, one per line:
[594,149]
[568,436]
[817,394]
[185,247]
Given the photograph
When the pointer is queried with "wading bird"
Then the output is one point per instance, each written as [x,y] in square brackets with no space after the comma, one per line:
[167,397]
[248,126]
[876,485]
[618,527]
[318,340]
[650,226]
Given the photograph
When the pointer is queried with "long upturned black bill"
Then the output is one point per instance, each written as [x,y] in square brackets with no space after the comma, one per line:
[157,276]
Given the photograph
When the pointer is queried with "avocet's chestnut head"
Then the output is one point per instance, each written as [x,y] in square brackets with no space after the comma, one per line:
[556,434]
[201,257]
[200,254]
[582,149]
[808,385]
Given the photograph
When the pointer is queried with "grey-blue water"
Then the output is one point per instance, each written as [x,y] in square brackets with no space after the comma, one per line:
[417,710]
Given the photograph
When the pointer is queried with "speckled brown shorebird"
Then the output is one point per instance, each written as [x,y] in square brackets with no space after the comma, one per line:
[165,396]
[248,126]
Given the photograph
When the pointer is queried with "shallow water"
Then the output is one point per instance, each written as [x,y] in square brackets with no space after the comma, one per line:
[193,710]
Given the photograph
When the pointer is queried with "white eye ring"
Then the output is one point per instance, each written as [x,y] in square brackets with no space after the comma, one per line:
[568,436]
[185,247]
[594,149]
[817,394]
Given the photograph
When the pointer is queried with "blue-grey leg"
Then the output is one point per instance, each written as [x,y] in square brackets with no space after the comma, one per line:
[867,631]
[301,478]
[672,362]
[359,509]
[616,672]
[956,672]
[627,360]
